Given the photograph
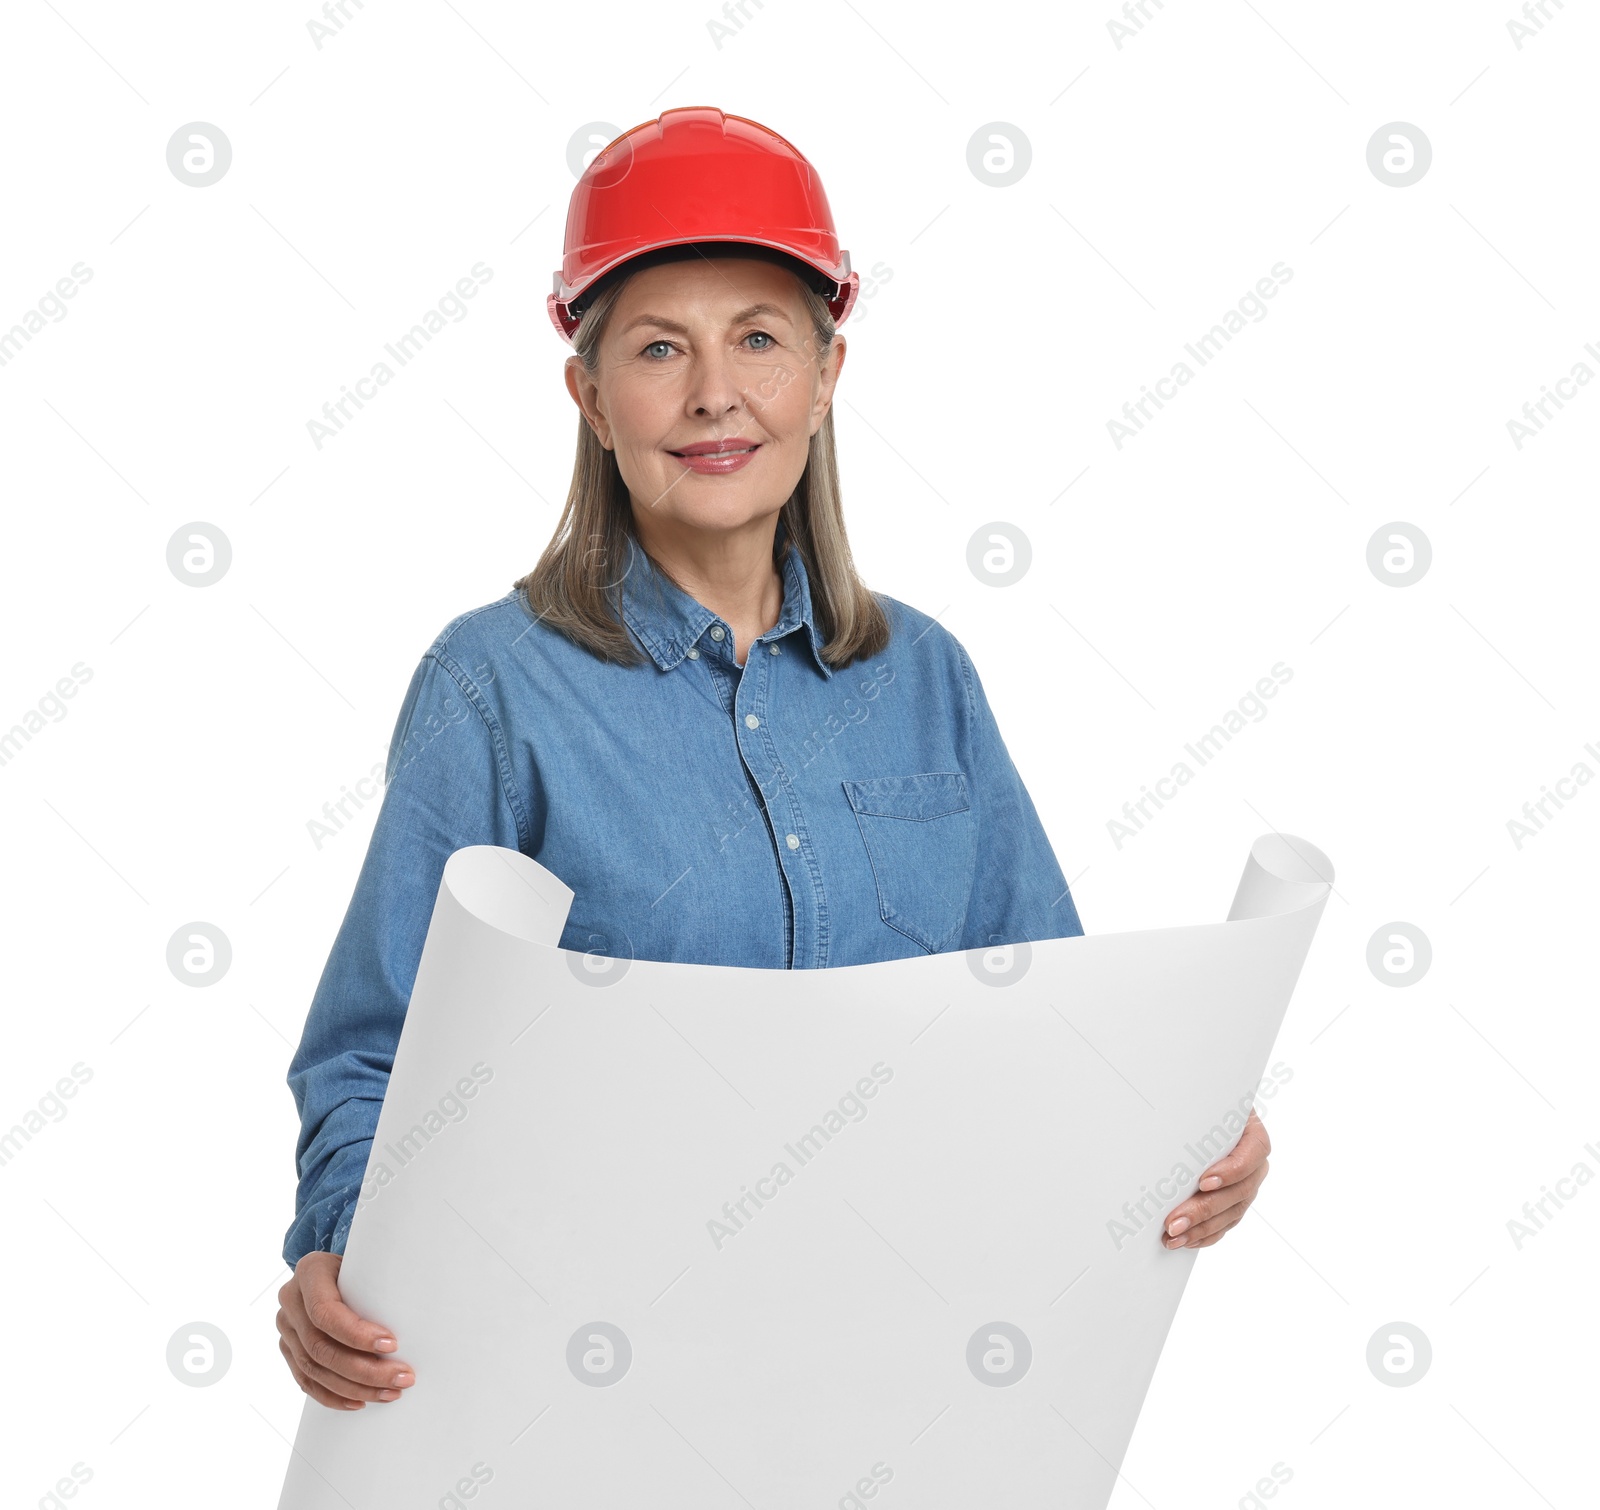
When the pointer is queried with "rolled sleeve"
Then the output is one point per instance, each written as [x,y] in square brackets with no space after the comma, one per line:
[1019,894]
[448,785]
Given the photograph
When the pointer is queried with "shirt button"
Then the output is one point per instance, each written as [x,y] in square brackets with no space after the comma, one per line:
[772,650]
[792,840]
[751,721]
[693,655]
[716,631]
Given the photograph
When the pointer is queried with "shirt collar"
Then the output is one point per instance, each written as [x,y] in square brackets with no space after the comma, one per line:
[668,622]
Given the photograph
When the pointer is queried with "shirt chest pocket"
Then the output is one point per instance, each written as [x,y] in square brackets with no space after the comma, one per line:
[921,838]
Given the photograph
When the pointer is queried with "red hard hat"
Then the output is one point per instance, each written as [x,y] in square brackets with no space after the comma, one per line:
[697,175]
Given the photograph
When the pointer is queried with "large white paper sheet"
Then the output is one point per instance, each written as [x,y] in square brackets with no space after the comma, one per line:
[662,1235]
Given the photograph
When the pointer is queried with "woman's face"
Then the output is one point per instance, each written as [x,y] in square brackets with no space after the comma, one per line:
[708,352]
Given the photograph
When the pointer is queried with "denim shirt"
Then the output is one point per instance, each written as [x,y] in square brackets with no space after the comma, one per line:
[784,815]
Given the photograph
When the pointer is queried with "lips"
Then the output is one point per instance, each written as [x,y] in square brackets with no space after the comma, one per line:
[730,447]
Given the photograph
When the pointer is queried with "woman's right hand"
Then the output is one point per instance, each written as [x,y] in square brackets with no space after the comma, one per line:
[338,1358]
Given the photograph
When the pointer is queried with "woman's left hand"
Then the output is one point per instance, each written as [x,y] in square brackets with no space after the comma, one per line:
[1231,1184]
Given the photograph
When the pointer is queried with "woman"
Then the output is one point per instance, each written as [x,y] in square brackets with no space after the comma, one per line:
[691,710]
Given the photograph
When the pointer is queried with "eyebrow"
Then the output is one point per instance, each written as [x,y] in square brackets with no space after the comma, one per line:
[738,319]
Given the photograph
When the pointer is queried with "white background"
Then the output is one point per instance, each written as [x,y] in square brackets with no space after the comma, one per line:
[1007,326]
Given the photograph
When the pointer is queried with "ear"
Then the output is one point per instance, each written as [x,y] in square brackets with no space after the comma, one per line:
[586,395]
[828,370]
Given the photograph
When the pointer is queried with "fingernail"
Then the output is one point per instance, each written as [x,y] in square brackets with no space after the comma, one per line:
[388,1394]
[1211,1182]
[1181,1225]
[404,1379]
[385,1344]
[1178,1242]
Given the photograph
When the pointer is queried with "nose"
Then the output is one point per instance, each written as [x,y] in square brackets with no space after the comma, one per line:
[713,390]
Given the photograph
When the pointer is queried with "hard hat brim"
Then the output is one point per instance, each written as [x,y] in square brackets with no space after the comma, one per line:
[839,285]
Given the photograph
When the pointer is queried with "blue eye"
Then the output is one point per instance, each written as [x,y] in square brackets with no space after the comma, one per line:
[770,340]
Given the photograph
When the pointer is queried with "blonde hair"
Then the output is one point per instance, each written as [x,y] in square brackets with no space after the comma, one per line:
[571,586]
